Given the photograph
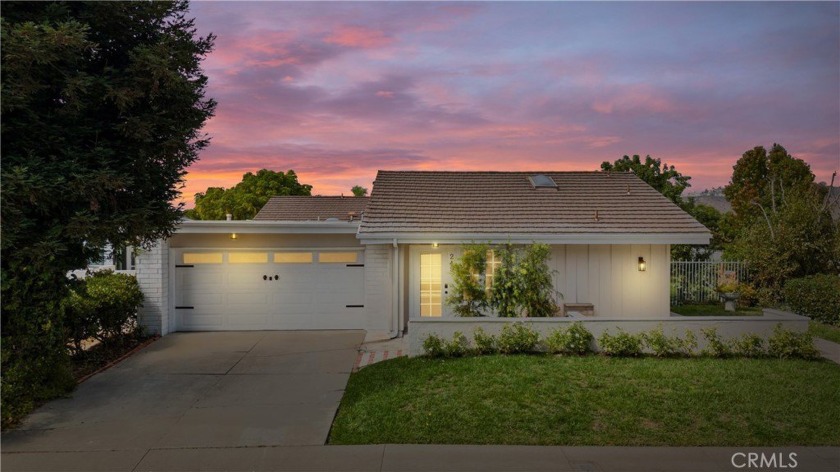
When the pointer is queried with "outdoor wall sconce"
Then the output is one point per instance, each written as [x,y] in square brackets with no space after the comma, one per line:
[434,244]
[233,236]
[642,264]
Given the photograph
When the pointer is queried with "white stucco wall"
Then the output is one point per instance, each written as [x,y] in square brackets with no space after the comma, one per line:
[153,276]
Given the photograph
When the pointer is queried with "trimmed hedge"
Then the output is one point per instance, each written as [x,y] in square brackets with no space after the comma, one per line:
[815,296]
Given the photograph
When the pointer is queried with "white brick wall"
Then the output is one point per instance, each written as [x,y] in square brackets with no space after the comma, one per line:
[153,276]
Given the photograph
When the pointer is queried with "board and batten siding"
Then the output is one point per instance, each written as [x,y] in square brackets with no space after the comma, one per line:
[608,277]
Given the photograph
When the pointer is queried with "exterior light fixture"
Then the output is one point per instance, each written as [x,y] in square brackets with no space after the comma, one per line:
[642,264]
[434,244]
[233,236]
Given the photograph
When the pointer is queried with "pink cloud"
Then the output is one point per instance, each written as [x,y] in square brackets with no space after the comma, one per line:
[358,37]
[634,98]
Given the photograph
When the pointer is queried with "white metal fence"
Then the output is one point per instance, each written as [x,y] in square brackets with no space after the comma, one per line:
[695,282]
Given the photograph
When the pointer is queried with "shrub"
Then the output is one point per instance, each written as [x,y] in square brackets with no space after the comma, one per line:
[518,337]
[434,346]
[661,345]
[749,295]
[485,343]
[574,340]
[749,345]
[785,344]
[715,345]
[815,296]
[506,285]
[537,297]
[468,296]
[458,346]
[622,344]
[687,345]
[103,306]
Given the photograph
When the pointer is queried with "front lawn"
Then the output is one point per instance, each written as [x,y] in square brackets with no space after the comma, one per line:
[822,330]
[714,310]
[592,400]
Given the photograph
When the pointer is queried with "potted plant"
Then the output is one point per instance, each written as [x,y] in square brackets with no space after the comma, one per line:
[729,292]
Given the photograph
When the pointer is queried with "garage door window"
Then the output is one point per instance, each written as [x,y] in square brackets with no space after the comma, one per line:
[338,257]
[293,257]
[248,257]
[202,258]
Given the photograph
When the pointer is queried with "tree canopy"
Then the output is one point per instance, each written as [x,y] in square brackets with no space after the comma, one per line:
[246,198]
[665,179]
[761,179]
[359,191]
[102,107]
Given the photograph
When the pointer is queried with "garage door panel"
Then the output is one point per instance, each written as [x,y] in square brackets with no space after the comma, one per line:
[234,295]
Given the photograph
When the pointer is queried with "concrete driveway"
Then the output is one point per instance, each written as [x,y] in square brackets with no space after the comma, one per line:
[194,390]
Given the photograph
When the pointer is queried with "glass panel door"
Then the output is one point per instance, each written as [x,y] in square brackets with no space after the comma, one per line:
[430,285]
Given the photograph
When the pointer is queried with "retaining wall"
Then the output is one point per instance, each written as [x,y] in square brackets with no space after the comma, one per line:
[727,326]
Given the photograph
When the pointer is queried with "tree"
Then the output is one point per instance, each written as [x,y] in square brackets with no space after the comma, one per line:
[760,181]
[781,221]
[359,191]
[665,179]
[102,106]
[246,198]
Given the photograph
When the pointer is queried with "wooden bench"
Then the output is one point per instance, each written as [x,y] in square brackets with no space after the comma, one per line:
[585,309]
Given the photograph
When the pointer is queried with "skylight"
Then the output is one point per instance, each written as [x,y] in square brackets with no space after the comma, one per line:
[542,181]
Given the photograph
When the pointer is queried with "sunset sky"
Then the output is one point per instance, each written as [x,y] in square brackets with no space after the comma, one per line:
[336,91]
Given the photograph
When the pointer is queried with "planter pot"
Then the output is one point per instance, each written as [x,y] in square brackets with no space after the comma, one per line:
[729,299]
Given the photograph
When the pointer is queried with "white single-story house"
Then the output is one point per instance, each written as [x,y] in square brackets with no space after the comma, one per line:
[376,263]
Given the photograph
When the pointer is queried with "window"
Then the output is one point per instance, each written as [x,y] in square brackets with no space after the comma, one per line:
[293,257]
[202,258]
[430,281]
[338,257]
[493,264]
[248,257]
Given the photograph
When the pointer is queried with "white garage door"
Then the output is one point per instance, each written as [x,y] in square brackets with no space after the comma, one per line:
[268,289]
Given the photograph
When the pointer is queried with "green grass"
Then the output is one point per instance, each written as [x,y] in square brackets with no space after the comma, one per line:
[592,400]
[821,330]
[714,310]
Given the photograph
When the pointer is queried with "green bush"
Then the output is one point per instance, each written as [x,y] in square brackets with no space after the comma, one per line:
[103,306]
[576,339]
[434,346]
[687,345]
[748,295]
[485,343]
[786,344]
[518,338]
[749,345]
[815,296]
[715,345]
[458,346]
[468,296]
[523,283]
[622,344]
[661,345]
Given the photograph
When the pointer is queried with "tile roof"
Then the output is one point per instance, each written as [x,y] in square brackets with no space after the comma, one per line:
[305,208]
[508,203]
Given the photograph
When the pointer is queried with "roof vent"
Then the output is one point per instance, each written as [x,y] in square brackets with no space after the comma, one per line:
[542,181]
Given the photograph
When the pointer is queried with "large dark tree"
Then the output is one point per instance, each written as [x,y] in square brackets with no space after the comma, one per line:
[102,106]
[246,198]
[662,177]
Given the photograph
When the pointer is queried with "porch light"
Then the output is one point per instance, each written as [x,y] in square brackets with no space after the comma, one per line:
[233,236]
[434,244]
[642,264]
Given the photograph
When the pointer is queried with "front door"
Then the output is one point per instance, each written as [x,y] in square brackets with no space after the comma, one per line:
[430,281]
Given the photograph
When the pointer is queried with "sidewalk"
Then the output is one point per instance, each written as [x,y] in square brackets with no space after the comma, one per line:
[829,350]
[429,458]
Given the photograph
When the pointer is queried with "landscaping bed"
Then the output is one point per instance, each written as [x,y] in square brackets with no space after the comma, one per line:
[714,310]
[101,356]
[592,400]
